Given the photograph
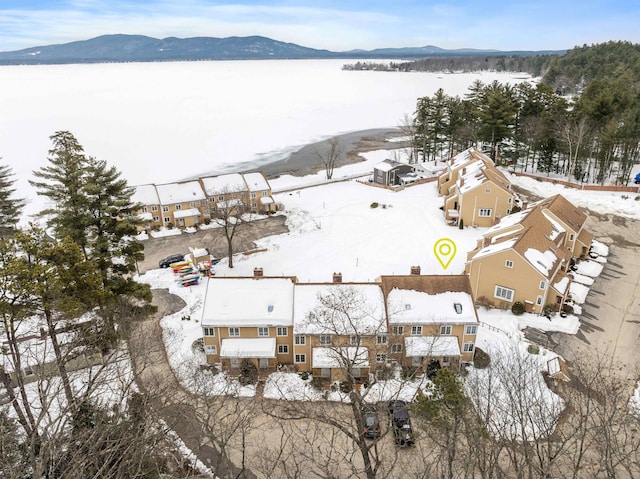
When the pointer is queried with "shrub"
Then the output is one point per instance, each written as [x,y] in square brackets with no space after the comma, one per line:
[248,373]
[384,373]
[517,308]
[408,372]
[515,209]
[374,204]
[637,198]
[481,359]
[170,225]
[461,224]
[207,221]
[304,375]
[533,349]
[316,383]
[198,345]
[346,386]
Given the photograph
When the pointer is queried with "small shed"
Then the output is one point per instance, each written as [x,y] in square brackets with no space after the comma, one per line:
[558,369]
[391,173]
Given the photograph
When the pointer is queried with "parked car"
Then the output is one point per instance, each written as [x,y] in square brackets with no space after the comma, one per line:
[636,180]
[174,258]
[371,423]
[401,423]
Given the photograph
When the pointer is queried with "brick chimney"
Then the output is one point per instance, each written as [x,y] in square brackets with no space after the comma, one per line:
[524,205]
[337,277]
[464,171]
[258,272]
[461,181]
[415,270]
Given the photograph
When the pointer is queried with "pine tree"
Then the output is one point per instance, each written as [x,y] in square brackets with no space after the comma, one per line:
[10,207]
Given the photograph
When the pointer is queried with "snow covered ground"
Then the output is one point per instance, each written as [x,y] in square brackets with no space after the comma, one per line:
[333,228]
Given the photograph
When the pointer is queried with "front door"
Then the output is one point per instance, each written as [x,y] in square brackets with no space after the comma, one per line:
[325,373]
[416,361]
[264,363]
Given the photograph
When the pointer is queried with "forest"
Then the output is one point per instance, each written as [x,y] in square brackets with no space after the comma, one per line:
[590,136]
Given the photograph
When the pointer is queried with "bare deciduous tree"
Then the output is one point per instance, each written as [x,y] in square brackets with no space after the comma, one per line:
[329,156]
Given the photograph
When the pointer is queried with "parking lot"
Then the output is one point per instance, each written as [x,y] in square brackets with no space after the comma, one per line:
[213,239]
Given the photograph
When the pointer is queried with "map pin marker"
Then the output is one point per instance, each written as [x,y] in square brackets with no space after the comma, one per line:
[445,251]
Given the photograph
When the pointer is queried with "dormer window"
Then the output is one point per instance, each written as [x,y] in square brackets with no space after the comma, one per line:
[407,307]
[458,307]
[270,308]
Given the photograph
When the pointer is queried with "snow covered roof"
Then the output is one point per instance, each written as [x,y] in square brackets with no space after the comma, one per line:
[495,248]
[359,309]
[431,346]
[146,194]
[248,348]
[265,200]
[146,216]
[561,286]
[543,262]
[215,185]
[174,193]
[339,357]
[508,221]
[186,213]
[262,301]
[197,252]
[256,181]
[387,165]
[417,307]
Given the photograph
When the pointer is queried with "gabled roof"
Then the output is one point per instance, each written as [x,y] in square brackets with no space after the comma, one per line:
[146,194]
[256,181]
[564,210]
[429,299]
[360,309]
[263,301]
[388,165]
[216,185]
[174,193]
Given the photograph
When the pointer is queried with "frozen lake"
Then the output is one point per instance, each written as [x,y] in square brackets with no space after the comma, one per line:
[162,122]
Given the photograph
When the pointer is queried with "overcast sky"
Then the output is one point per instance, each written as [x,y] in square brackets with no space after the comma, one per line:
[334,25]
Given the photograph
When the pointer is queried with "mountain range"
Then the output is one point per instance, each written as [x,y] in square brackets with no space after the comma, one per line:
[140,48]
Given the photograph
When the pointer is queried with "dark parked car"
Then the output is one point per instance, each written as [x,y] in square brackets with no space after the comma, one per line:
[174,258]
[401,423]
[371,423]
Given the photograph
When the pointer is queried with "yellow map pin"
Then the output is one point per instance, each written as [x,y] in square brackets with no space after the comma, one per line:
[445,251]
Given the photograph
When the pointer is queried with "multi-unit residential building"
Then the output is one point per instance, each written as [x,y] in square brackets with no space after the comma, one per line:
[476,192]
[526,257]
[189,203]
[334,327]
[183,204]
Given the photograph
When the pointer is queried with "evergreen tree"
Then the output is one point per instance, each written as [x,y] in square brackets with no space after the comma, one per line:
[497,115]
[10,207]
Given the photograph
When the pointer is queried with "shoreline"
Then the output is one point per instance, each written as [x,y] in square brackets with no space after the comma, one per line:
[306,161]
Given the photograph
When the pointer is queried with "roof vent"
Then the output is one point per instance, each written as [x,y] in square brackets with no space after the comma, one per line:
[458,307]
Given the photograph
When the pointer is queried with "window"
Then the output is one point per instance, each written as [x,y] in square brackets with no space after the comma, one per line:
[381,339]
[264,193]
[468,347]
[398,330]
[396,348]
[165,208]
[253,195]
[487,190]
[381,358]
[253,205]
[178,207]
[571,237]
[210,349]
[221,198]
[508,212]
[325,340]
[154,208]
[301,340]
[234,332]
[445,329]
[539,300]
[471,329]
[301,358]
[263,332]
[543,284]
[283,349]
[167,219]
[354,340]
[192,204]
[458,308]
[508,263]
[282,331]
[503,293]
[416,330]
[145,209]
[484,212]
[209,331]
[509,200]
